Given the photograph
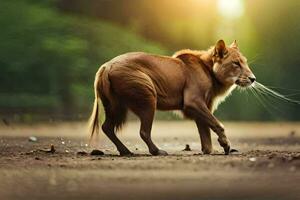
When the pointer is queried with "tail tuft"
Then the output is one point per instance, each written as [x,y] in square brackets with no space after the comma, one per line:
[95,119]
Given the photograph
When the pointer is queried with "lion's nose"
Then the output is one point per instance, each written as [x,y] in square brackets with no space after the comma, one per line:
[252,78]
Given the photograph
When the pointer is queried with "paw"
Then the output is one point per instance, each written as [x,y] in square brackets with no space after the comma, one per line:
[159,153]
[227,150]
[207,150]
[224,142]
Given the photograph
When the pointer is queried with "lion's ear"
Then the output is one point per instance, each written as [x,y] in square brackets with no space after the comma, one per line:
[234,45]
[220,49]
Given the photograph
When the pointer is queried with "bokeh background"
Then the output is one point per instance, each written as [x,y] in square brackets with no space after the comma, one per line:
[50,50]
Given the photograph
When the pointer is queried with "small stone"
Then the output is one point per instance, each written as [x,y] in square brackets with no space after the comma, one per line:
[97,152]
[197,154]
[52,149]
[37,158]
[82,153]
[271,156]
[5,122]
[187,148]
[252,159]
[32,139]
[292,134]
[296,157]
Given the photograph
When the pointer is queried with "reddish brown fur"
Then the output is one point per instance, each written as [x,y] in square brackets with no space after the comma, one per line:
[190,81]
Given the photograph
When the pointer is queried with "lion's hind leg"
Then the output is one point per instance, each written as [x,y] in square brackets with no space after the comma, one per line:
[137,90]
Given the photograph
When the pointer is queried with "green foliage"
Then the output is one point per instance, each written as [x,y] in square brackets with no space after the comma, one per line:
[48,59]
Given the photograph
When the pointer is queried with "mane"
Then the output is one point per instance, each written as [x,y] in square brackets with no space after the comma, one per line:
[189,51]
[186,51]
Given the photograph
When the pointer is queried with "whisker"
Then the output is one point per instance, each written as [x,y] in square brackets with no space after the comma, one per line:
[245,91]
[265,97]
[268,98]
[270,94]
[265,92]
[275,94]
[282,88]
[286,95]
[254,58]
[291,95]
[247,95]
[259,99]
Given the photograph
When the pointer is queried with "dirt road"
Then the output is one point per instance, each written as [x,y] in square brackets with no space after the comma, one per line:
[267,166]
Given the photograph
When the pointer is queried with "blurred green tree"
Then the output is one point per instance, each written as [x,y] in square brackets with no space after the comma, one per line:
[49,59]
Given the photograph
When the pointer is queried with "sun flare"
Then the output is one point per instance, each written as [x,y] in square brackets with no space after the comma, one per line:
[231,8]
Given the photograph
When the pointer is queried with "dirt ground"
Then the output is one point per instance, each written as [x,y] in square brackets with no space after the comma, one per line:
[266,167]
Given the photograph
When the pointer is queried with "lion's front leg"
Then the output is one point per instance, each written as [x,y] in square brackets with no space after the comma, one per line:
[199,111]
[205,137]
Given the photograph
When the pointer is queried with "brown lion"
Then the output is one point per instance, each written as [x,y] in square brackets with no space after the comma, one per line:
[194,82]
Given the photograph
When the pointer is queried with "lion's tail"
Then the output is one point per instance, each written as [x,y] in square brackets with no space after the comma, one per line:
[98,114]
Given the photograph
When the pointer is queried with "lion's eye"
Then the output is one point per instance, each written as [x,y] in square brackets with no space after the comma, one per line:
[236,63]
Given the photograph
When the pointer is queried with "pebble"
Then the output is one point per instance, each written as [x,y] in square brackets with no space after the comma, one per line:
[252,159]
[97,152]
[32,139]
[187,148]
[82,153]
[292,134]
[5,121]
[52,149]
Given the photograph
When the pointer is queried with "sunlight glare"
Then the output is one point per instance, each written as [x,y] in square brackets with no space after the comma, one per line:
[231,8]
